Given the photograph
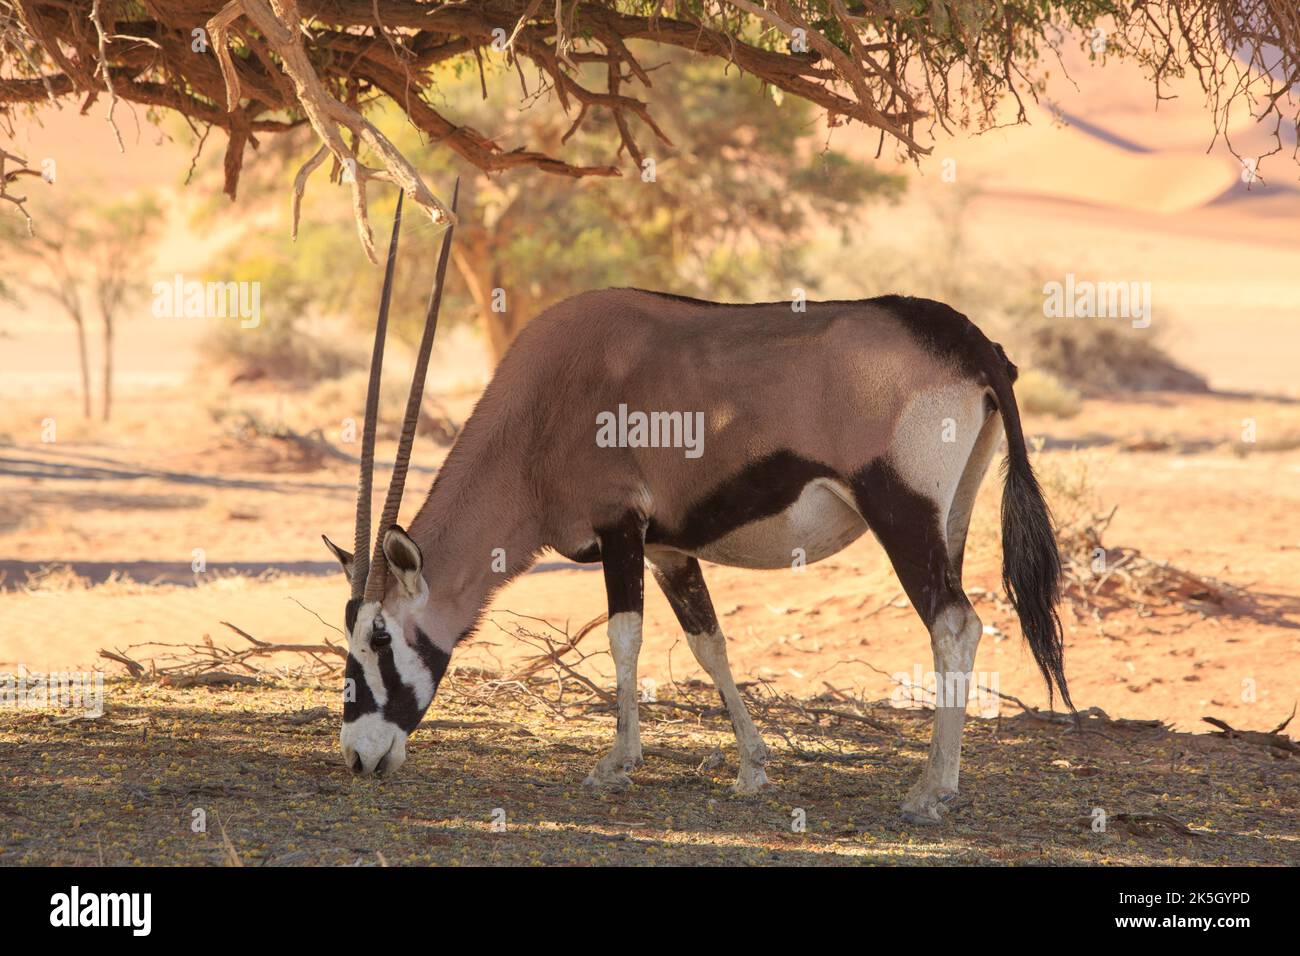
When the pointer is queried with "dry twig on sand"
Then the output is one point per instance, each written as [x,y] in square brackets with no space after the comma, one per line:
[1098,579]
[1276,742]
[186,665]
[1144,824]
[1080,720]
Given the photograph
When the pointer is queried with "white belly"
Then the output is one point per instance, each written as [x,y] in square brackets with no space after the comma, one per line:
[819,523]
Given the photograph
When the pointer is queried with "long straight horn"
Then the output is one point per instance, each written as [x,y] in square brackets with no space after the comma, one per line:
[377,580]
[361,561]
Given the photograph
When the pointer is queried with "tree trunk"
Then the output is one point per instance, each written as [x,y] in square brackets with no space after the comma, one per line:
[474,262]
[502,327]
[85,364]
[108,365]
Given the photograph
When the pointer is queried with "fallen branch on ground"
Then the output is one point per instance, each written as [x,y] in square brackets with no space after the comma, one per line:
[184,665]
[1277,743]
[1144,824]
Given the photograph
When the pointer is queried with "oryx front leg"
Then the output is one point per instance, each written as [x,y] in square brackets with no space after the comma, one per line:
[683,585]
[622,550]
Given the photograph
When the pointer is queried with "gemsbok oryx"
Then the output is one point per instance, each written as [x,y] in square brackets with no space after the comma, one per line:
[817,425]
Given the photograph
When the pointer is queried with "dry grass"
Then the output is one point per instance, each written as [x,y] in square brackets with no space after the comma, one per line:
[1100,578]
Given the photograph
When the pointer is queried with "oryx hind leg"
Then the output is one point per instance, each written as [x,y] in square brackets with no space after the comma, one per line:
[925,540]
[972,476]
[622,553]
[683,584]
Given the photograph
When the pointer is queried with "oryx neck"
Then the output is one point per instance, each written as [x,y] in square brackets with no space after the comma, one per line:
[478,528]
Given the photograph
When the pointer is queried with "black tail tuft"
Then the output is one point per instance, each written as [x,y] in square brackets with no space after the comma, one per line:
[1031,571]
[1031,564]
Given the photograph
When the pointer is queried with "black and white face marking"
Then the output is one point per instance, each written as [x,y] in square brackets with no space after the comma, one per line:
[393,668]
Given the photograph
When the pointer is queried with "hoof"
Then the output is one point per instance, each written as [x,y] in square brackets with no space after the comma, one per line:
[611,773]
[750,780]
[927,809]
[920,819]
[614,780]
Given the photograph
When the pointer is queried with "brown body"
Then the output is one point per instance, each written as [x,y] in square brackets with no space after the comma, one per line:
[828,385]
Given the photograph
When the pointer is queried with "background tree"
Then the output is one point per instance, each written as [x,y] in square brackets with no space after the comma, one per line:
[116,258]
[720,214]
[723,217]
[46,261]
[259,67]
[83,255]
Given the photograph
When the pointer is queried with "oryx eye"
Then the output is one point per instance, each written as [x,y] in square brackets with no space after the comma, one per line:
[380,639]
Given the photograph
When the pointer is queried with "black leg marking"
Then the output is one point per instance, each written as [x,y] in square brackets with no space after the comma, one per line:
[907,525]
[683,584]
[622,552]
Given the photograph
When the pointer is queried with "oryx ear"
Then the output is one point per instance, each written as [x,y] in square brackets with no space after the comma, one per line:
[345,557]
[405,560]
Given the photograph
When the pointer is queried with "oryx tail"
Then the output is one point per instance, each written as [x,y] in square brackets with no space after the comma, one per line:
[1031,564]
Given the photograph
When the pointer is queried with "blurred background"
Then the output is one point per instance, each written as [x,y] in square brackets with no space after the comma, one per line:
[153,466]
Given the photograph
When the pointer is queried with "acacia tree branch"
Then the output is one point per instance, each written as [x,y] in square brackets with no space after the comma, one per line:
[279,24]
[887,65]
[97,17]
[8,176]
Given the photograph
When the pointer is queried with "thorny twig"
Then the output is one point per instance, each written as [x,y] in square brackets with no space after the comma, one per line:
[9,176]
[208,663]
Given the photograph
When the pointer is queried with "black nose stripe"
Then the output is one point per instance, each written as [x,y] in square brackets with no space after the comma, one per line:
[364,702]
[401,707]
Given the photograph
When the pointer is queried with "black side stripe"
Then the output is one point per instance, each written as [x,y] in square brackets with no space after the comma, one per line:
[434,658]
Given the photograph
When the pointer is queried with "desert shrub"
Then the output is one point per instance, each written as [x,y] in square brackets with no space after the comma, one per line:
[1096,356]
[1039,391]
[1004,298]
[281,350]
